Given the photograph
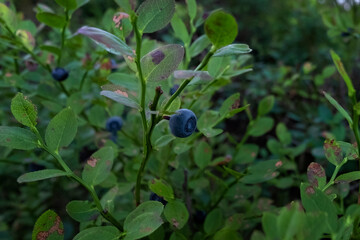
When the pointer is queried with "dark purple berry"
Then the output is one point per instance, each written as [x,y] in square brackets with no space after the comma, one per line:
[114,124]
[155,197]
[59,74]
[33,167]
[173,89]
[113,65]
[182,123]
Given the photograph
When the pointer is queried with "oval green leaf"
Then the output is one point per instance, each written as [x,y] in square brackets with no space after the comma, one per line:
[98,166]
[176,214]
[82,211]
[23,110]
[61,130]
[154,15]
[51,19]
[17,138]
[107,41]
[144,220]
[103,233]
[48,226]
[232,49]
[221,28]
[160,63]
[41,175]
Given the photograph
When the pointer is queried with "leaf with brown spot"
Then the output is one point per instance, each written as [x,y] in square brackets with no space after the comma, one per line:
[17,138]
[162,189]
[144,220]
[316,175]
[98,166]
[162,62]
[48,227]
[333,152]
[23,110]
[176,214]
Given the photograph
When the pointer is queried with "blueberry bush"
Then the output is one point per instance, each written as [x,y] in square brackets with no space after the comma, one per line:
[132,124]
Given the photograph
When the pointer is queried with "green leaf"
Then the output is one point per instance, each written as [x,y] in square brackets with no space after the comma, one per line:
[314,200]
[232,49]
[127,5]
[180,29]
[221,28]
[82,211]
[162,189]
[233,172]
[144,220]
[229,104]
[51,19]
[120,98]
[348,177]
[269,224]
[98,166]
[261,126]
[316,175]
[246,153]
[199,45]
[107,41]
[128,81]
[41,175]
[67,4]
[53,49]
[103,233]
[217,66]
[192,8]
[283,134]
[265,105]
[154,15]
[23,110]
[164,140]
[176,214]
[340,109]
[333,152]
[17,138]
[177,236]
[203,154]
[213,221]
[227,234]
[343,73]
[8,16]
[26,38]
[61,130]
[262,171]
[48,226]
[158,64]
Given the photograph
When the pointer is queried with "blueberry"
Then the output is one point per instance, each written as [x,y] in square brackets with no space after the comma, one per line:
[59,74]
[155,197]
[114,124]
[199,216]
[113,65]
[173,89]
[182,123]
[33,167]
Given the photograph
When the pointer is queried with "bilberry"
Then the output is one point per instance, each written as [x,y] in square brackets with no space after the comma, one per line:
[182,123]
[59,74]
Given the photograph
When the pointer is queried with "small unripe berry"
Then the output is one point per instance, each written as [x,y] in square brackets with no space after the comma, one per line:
[59,74]
[182,123]
[114,124]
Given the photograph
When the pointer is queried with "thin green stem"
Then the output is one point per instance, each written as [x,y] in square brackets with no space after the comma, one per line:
[332,179]
[63,31]
[203,63]
[146,137]
[66,168]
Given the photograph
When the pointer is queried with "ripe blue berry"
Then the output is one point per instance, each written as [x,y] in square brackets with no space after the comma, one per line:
[113,65]
[155,197]
[173,89]
[114,124]
[182,123]
[59,74]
